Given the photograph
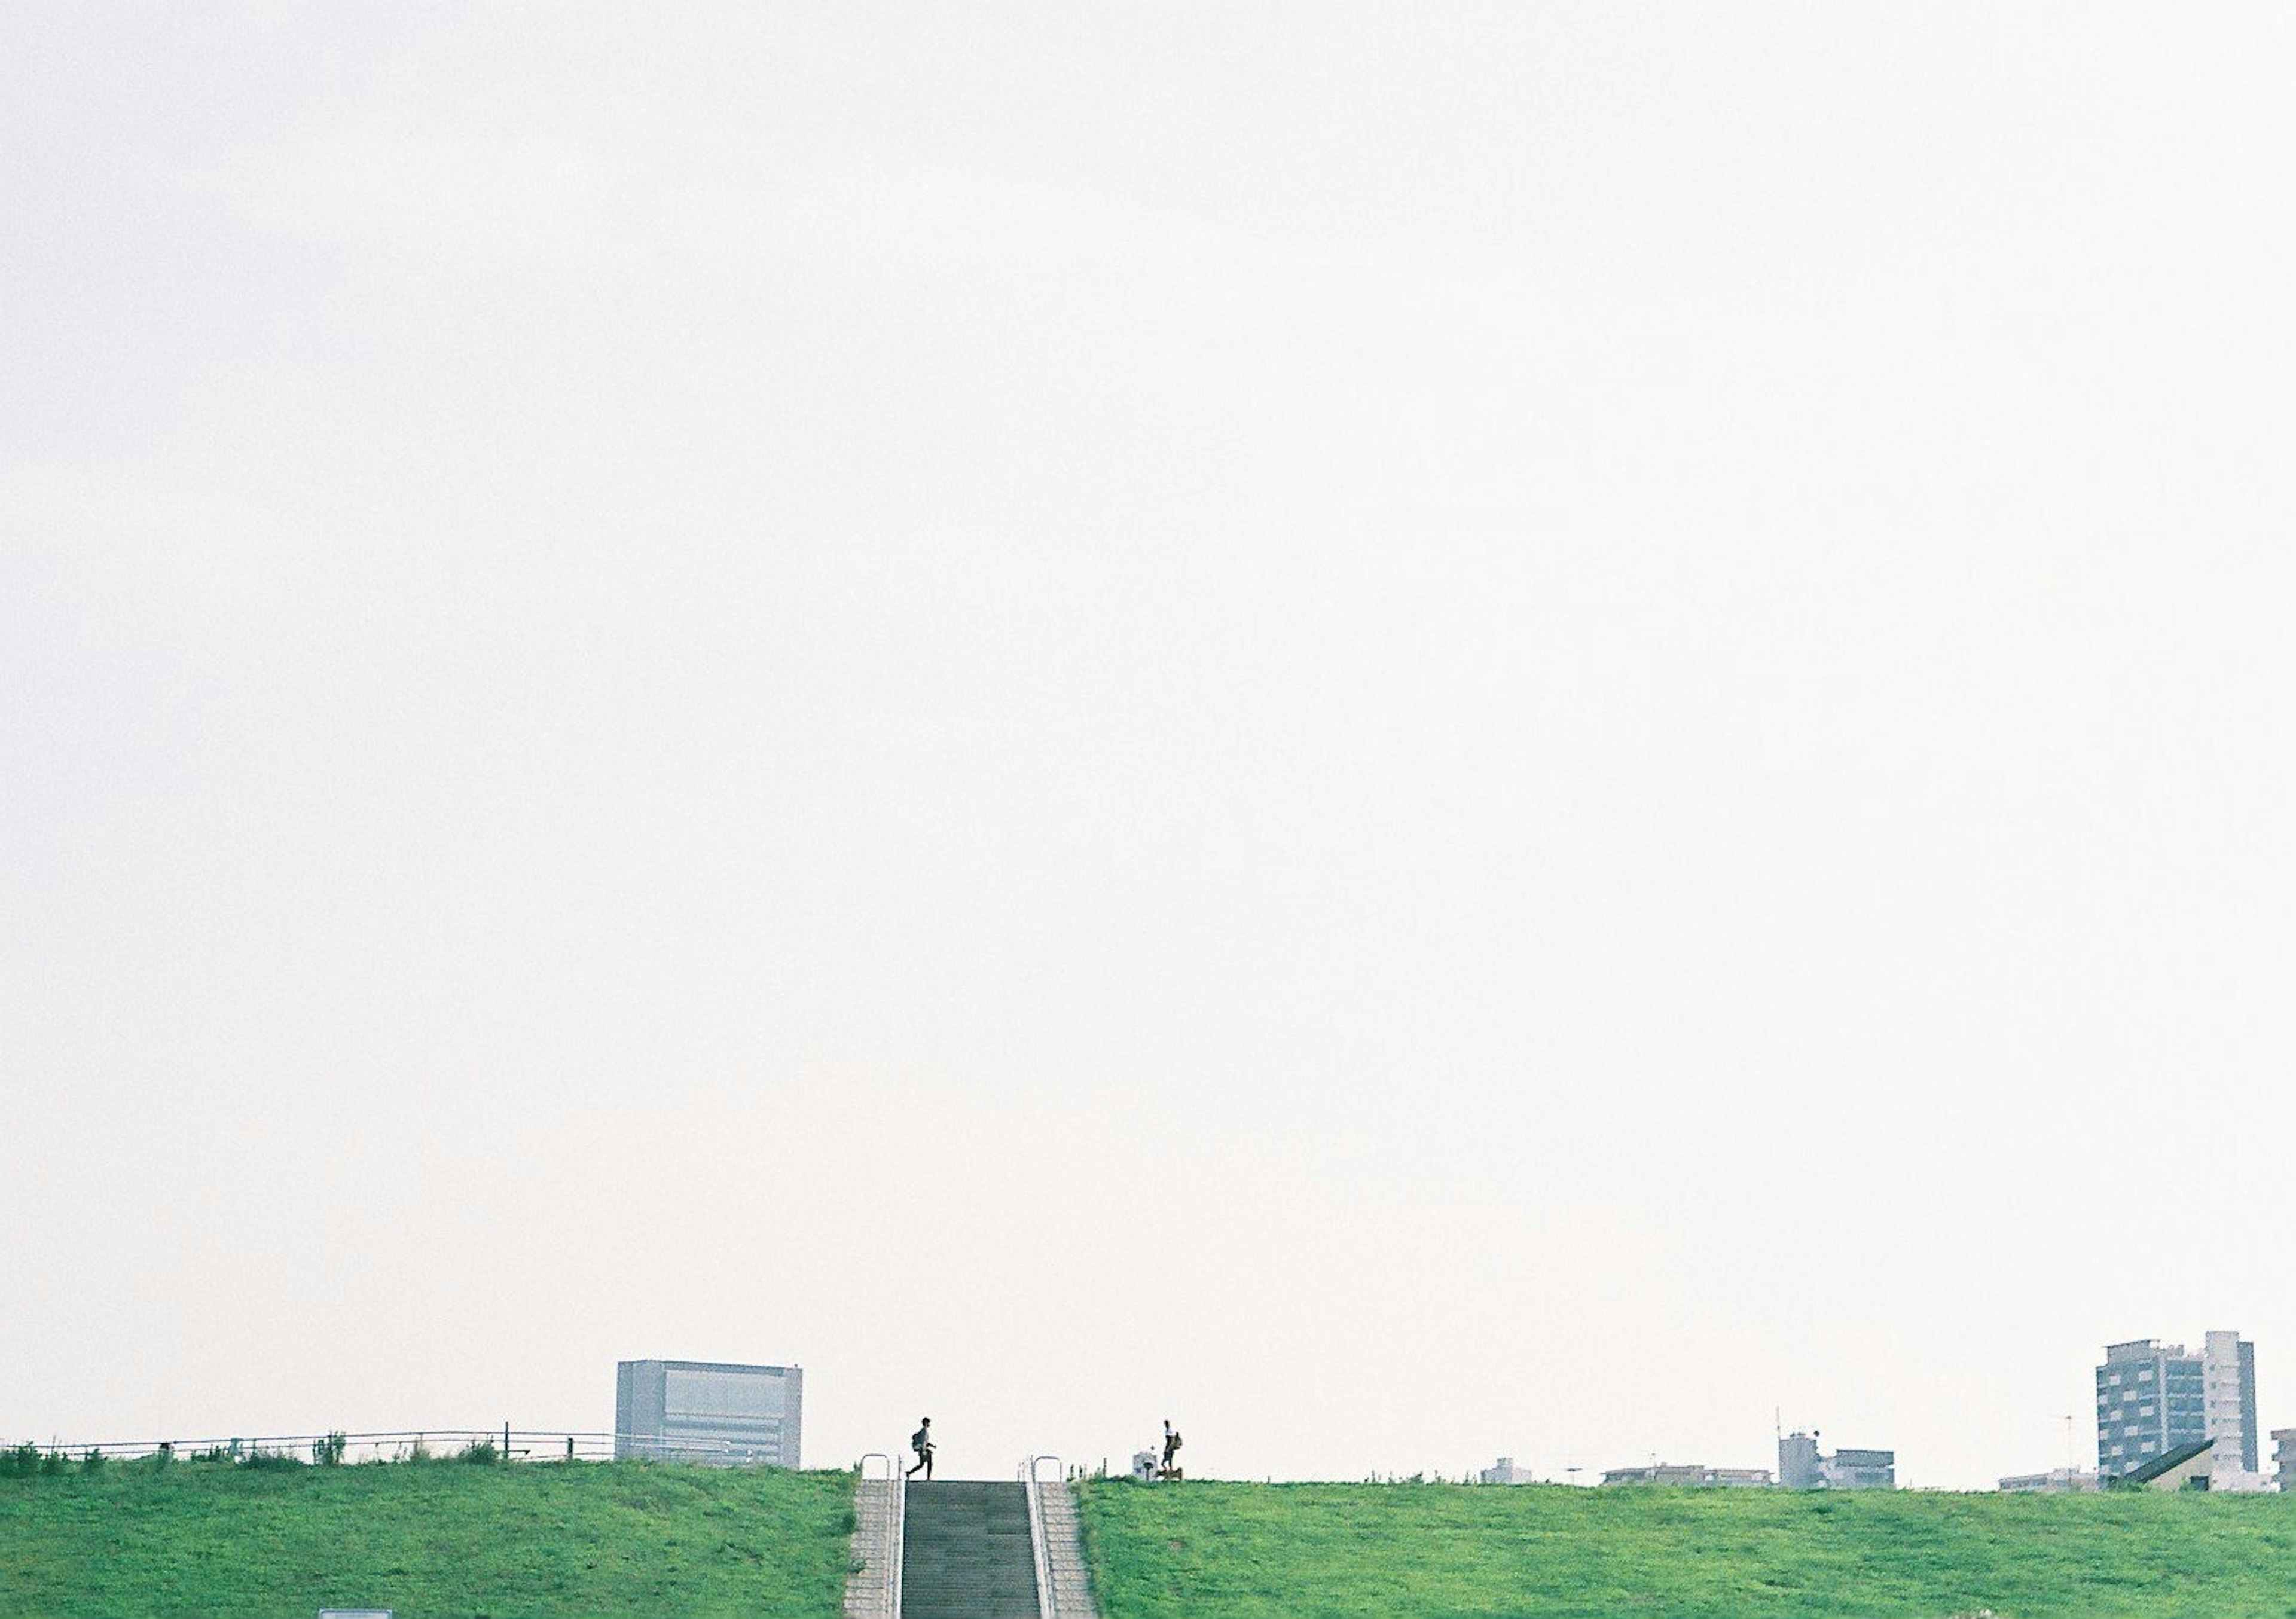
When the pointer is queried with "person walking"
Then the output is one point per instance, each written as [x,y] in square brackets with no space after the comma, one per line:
[922,1443]
[1171,1449]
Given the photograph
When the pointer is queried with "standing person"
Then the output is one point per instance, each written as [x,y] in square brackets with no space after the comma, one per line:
[1171,1449]
[921,1441]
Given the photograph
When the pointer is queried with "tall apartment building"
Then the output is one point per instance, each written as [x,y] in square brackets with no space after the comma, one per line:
[2149,1401]
[2228,1394]
[2154,1397]
[708,1411]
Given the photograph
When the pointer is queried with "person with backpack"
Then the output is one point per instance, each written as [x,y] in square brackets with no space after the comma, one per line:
[1171,1449]
[922,1443]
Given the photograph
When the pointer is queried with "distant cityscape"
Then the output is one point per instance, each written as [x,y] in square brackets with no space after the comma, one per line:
[2167,1419]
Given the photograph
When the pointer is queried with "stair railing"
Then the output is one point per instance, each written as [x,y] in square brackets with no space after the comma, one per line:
[896,1516]
[1047,1604]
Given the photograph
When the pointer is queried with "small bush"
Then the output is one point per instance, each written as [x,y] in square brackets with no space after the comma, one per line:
[54,1461]
[165,1454]
[20,1462]
[328,1453]
[92,1461]
[217,1453]
[480,1450]
[270,1458]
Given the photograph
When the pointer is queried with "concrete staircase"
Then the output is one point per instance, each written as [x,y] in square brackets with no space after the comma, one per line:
[872,1590]
[967,1553]
[1071,1582]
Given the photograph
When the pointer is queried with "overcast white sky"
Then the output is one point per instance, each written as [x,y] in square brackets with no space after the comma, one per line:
[1408,732]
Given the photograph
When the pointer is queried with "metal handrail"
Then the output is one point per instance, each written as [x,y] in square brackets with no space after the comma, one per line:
[897,1526]
[1047,1605]
[515,1444]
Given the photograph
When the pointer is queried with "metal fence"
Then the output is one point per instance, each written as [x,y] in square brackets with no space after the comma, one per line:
[505,1443]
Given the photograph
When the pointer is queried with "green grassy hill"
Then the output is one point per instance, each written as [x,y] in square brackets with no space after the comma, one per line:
[1437,1551]
[438,1540]
[453,1541]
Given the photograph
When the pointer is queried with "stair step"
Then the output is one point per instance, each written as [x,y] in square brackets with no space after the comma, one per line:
[966,1552]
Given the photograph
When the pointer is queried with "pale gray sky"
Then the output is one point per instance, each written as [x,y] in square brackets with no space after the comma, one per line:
[1410,733]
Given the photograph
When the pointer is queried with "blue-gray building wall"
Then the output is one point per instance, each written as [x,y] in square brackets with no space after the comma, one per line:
[2249,1451]
[2148,1402]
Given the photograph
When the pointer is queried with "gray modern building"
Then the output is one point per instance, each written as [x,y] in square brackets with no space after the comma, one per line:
[2152,1398]
[2149,1401]
[708,1411]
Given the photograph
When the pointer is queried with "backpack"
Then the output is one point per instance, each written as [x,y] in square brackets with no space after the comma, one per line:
[921,1440]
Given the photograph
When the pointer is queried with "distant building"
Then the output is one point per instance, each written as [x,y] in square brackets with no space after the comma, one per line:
[1701,1477]
[1801,1465]
[1862,1471]
[2056,1481]
[2229,1395]
[2188,1466]
[2284,1458]
[1506,1473]
[1798,1462]
[706,1411]
[2149,1403]
[2152,1398]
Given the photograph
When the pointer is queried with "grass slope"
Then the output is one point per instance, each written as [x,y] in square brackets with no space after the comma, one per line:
[1448,1551]
[443,1540]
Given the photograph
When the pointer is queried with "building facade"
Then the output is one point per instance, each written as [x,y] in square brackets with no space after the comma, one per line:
[2056,1481]
[1801,1465]
[2228,1396]
[1505,1472]
[2152,1398]
[708,1412]
[2284,1459]
[1849,1469]
[2150,1401]
[1692,1475]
